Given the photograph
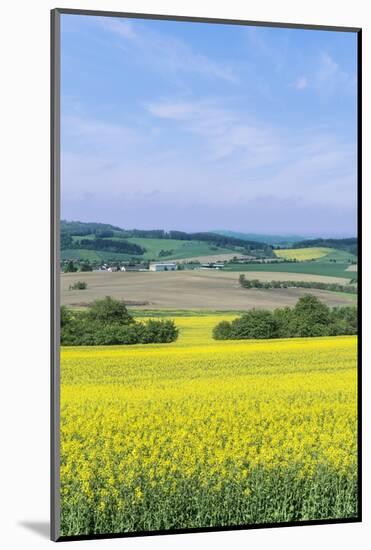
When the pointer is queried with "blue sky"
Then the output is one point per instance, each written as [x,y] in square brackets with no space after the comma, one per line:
[195,126]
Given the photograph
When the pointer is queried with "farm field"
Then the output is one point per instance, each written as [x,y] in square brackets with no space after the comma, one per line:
[318,267]
[302,254]
[315,253]
[202,433]
[216,290]
[177,249]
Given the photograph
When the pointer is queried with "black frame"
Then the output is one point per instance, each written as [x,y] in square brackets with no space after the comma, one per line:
[55,283]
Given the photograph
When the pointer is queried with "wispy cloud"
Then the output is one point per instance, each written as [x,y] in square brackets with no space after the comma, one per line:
[166,52]
[326,78]
[224,131]
[264,47]
[301,83]
[274,160]
[169,129]
[89,134]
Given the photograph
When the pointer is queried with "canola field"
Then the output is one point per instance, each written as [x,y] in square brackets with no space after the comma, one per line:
[303,254]
[201,433]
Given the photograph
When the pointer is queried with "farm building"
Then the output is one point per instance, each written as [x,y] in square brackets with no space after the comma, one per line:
[136,267]
[211,266]
[163,267]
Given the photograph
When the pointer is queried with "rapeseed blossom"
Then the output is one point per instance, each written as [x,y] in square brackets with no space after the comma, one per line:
[200,433]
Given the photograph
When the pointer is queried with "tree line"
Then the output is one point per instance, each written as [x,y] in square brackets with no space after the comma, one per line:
[105,231]
[308,318]
[102,243]
[108,322]
[256,283]
[87,228]
[109,245]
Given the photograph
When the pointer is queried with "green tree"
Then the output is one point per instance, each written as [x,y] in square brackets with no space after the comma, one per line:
[285,324]
[241,279]
[256,323]
[79,285]
[70,267]
[110,310]
[65,316]
[222,331]
[312,317]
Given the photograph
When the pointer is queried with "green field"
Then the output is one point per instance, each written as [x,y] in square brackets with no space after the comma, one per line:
[94,255]
[179,249]
[80,254]
[339,256]
[312,268]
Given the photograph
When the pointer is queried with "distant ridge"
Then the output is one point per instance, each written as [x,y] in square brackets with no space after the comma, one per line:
[77,228]
[273,240]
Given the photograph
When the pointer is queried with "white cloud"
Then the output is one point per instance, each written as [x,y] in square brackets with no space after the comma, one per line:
[312,164]
[330,78]
[119,26]
[301,83]
[328,68]
[223,131]
[326,78]
[173,110]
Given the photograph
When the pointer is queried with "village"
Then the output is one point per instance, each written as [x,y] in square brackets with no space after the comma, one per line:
[179,265]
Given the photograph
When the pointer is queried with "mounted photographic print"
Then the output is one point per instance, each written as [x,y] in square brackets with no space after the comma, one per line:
[205,287]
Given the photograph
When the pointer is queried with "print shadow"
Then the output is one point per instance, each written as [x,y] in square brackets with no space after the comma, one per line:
[42,528]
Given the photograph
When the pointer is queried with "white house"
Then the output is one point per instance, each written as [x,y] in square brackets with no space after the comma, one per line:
[163,267]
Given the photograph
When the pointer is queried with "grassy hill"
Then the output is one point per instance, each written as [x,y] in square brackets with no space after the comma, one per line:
[102,242]
[176,249]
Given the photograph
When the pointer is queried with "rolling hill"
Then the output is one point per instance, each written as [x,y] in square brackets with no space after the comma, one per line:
[103,242]
[98,243]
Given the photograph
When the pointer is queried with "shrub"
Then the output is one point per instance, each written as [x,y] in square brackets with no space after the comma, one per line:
[79,285]
[257,323]
[308,318]
[109,310]
[108,322]
[222,331]
[311,311]
[65,316]
[162,331]
[69,267]
[285,322]
[256,283]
